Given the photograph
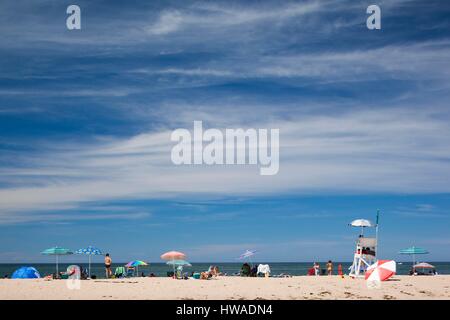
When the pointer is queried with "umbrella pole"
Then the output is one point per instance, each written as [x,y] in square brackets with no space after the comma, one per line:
[89,265]
[57,272]
[173,264]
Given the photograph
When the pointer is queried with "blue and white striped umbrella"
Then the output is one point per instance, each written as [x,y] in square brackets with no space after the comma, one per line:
[90,251]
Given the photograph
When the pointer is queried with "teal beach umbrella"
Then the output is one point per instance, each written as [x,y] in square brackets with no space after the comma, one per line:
[182,263]
[57,251]
[413,251]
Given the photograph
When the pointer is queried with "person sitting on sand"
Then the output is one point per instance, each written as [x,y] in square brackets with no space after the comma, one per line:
[330,268]
[214,271]
[108,263]
[245,270]
[205,275]
[254,271]
[83,273]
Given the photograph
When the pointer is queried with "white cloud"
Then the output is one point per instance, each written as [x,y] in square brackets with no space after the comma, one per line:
[169,21]
[395,151]
[207,17]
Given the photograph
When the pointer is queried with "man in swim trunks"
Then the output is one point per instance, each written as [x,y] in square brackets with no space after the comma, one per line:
[108,262]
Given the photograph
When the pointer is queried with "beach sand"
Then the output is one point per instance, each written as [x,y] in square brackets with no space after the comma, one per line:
[236,288]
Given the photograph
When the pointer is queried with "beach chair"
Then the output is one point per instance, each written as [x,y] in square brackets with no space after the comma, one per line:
[120,272]
[179,273]
[130,272]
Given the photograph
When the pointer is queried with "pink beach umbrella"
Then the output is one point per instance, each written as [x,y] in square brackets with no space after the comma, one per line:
[173,255]
[381,270]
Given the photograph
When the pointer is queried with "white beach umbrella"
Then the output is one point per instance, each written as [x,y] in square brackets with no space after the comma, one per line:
[247,255]
[362,223]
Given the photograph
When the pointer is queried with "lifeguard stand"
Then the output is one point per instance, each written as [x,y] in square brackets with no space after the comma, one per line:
[366,247]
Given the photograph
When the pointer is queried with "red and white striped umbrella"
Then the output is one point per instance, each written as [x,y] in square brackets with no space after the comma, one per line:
[381,270]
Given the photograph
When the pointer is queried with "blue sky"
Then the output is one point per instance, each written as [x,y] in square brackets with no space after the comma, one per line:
[86,117]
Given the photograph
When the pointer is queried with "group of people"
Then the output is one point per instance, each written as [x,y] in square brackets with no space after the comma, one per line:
[213,271]
[416,272]
[246,270]
[316,270]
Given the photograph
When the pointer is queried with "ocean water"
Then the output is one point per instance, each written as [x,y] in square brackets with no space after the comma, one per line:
[161,269]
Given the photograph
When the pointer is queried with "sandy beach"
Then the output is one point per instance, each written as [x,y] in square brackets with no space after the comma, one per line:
[231,288]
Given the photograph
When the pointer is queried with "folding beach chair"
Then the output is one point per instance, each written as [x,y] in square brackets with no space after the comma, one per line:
[130,272]
[120,272]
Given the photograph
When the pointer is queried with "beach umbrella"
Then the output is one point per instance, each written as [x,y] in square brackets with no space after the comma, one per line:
[413,251]
[381,270]
[182,263]
[57,251]
[247,255]
[362,223]
[136,264]
[424,265]
[90,251]
[173,255]
[25,273]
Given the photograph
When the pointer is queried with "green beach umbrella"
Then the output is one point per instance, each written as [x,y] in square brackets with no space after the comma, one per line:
[57,251]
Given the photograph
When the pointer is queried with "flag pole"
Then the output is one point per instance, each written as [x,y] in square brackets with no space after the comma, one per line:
[376,234]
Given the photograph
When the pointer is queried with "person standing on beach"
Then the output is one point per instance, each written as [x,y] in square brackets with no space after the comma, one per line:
[316,267]
[108,263]
[340,272]
[330,268]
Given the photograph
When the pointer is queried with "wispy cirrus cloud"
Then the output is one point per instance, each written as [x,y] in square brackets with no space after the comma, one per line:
[338,154]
